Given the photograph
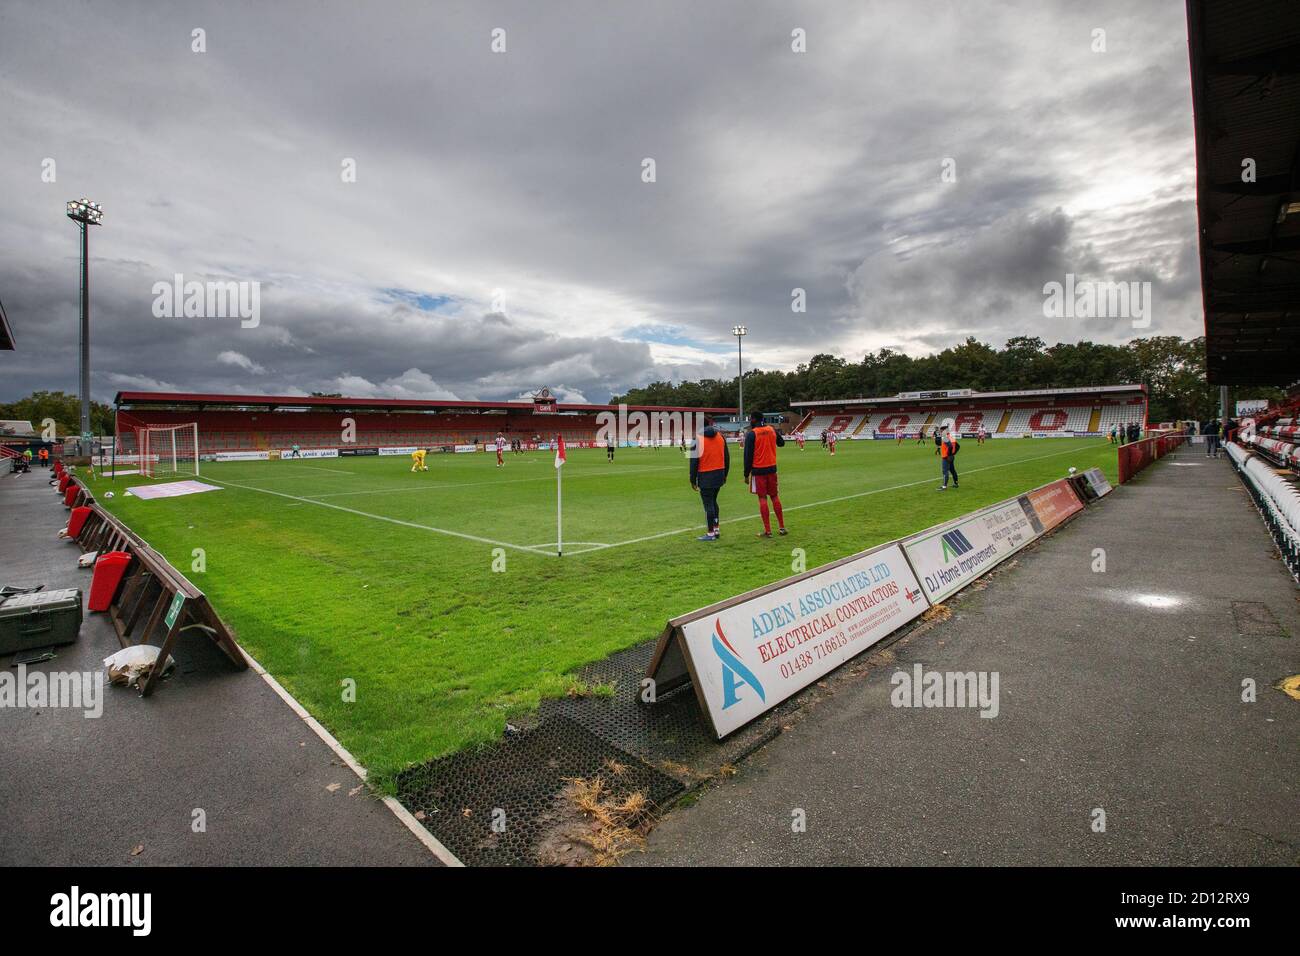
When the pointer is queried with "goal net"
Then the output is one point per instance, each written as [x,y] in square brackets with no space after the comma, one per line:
[168,449]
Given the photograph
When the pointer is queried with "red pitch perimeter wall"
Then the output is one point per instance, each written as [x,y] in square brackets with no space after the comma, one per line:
[1135,456]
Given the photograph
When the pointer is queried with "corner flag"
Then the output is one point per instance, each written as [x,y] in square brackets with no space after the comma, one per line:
[560,459]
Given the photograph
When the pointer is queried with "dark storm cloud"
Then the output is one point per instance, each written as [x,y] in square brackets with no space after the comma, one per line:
[498,236]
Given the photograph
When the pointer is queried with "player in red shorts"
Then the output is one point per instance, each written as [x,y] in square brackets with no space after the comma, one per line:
[761,443]
[501,447]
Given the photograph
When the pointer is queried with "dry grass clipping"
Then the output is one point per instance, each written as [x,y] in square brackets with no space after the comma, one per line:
[939,612]
[610,826]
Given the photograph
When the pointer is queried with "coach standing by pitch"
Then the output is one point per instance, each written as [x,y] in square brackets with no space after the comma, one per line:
[710,461]
[948,449]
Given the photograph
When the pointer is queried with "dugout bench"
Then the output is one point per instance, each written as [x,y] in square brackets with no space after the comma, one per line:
[151,595]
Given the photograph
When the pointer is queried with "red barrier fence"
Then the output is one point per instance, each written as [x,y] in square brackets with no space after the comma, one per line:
[1135,456]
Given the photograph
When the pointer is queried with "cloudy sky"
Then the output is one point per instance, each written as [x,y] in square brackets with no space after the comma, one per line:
[500,234]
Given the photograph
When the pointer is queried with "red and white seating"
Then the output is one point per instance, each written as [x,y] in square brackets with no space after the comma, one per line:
[843,425]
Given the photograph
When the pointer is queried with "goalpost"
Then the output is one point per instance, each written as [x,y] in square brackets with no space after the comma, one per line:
[168,449]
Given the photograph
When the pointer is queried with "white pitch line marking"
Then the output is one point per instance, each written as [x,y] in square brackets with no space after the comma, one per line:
[829,501]
[590,545]
[489,484]
[430,842]
[288,477]
[398,521]
[586,547]
[332,471]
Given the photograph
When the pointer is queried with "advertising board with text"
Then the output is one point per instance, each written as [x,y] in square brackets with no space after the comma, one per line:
[747,655]
[953,555]
[1053,504]
[1097,479]
[309,453]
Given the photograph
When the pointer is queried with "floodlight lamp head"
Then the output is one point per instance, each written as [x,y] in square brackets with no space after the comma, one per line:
[84,211]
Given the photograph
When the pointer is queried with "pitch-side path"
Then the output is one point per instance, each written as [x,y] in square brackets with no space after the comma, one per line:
[1120,694]
[213,768]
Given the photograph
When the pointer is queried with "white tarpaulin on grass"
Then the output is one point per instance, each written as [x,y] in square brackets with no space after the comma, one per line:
[172,489]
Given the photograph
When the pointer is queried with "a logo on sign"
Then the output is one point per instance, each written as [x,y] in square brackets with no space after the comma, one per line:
[955,545]
[734,672]
[912,596]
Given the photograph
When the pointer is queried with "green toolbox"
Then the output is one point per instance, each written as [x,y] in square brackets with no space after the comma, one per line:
[40,619]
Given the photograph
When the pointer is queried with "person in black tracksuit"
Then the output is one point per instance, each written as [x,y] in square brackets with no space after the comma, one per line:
[1210,430]
[710,461]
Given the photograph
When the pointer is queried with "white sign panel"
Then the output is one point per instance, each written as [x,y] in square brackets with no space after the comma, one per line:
[1099,482]
[747,658]
[236,456]
[951,556]
[1251,406]
[310,453]
[398,451]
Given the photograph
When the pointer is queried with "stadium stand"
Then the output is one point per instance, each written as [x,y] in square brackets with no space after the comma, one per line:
[260,423]
[1069,411]
[1277,499]
[842,425]
[229,431]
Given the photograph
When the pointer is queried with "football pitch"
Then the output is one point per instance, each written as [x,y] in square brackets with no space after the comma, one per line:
[414,614]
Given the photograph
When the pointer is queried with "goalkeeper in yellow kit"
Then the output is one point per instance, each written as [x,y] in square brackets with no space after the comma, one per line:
[417,460]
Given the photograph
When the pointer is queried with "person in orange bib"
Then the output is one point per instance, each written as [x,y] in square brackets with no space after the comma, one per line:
[710,461]
[761,443]
[948,449]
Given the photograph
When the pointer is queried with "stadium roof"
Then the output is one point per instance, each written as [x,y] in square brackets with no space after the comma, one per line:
[6,333]
[1245,62]
[200,400]
[10,426]
[968,395]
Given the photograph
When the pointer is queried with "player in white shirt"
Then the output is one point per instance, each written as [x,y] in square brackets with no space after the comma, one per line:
[831,439]
[501,447]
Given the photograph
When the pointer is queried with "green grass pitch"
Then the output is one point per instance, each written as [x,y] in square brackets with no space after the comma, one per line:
[440,595]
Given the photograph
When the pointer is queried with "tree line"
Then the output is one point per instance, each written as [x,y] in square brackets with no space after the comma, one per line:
[63,408]
[1172,368]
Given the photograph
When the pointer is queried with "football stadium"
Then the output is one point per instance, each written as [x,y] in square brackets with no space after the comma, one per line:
[301,576]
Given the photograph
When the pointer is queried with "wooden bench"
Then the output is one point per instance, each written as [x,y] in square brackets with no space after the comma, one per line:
[152,596]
